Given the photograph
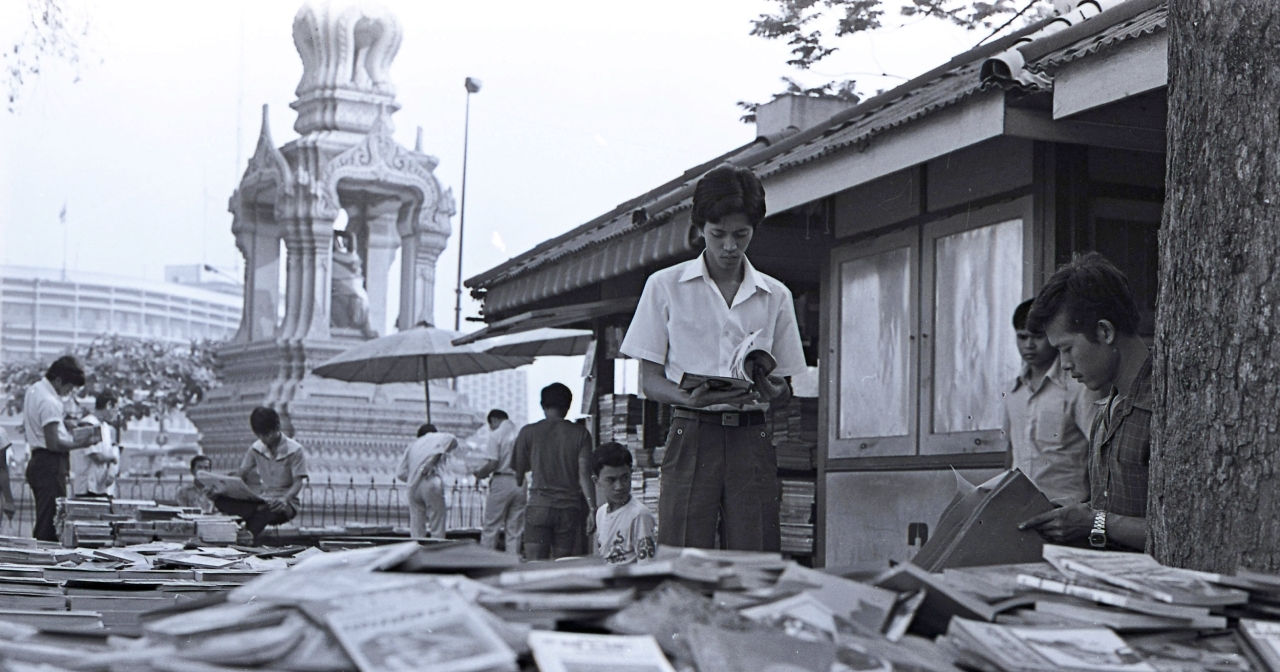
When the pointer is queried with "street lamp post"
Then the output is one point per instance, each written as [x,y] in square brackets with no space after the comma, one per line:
[473,86]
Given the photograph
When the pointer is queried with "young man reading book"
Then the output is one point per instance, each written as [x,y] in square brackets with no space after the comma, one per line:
[1088,312]
[1047,416]
[720,471]
[51,443]
[624,526]
[279,463]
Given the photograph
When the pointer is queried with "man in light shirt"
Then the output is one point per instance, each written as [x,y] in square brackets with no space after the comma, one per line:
[419,467]
[43,413]
[94,470]
[504,510]
[1047,416]
[720,471]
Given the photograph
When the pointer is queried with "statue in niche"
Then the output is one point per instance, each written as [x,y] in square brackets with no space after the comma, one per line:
[350,301]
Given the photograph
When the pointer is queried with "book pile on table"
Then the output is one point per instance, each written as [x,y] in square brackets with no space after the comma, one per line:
[457,606]
[106,590]
[795,433]
[796,515]
[94,523]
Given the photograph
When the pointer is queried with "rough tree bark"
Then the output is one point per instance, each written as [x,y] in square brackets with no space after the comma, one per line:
[1215,492]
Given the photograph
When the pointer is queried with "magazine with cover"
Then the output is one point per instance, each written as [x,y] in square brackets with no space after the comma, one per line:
[1142,574]
[1032,649]
[226,486]
[444,634]
[1264,637]
[572,652]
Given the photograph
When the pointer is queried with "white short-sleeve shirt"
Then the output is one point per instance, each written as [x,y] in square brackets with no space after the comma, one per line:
[41,406]
[684,324]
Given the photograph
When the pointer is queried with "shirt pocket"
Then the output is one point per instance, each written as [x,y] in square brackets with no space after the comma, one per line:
[1052,424]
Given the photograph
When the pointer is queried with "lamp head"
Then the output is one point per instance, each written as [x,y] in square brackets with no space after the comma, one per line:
[473,85]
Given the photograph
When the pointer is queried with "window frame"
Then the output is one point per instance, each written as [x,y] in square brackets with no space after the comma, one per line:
[977,441]
[874,446]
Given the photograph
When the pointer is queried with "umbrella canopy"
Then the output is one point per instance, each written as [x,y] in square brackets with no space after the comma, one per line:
[545,342]
[421,354]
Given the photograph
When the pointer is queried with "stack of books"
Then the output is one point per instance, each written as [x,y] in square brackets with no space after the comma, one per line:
[795,433]
[622,420]
[645,487]
[84,522]
[796,515]
[214,529]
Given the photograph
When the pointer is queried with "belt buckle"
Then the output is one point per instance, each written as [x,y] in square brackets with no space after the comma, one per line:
[729,419]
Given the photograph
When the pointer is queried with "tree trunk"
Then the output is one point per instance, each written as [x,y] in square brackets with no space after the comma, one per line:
[1215,497]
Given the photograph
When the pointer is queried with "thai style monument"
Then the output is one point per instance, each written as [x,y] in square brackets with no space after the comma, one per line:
[342,198]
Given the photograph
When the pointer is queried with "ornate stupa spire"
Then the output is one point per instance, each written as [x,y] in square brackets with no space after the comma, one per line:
[346,55]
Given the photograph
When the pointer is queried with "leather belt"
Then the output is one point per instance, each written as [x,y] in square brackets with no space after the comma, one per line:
[725,419]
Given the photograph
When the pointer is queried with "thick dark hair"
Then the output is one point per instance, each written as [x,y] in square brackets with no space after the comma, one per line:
[199,458]
[1087,290]
[67,370]
[425,429]
[105,399]
[499,414]
[728,190]
[556,395]
[264,420]
[611,454]
[1020,314]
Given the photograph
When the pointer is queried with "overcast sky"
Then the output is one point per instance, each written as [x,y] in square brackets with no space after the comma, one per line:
[585,105]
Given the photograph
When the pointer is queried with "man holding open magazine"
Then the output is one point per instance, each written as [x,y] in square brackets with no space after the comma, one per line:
[702,317]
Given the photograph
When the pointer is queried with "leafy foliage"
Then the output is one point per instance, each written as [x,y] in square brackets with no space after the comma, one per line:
[53,31]
[799,23]
[152,378]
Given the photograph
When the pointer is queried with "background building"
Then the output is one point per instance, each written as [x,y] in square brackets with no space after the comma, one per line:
[507,390]
[46,312]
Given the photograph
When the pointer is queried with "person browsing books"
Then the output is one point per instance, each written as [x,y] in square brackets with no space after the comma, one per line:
[624,526]
[94,470]
[6,492]
[696,317]
[1088,313]
[1047,416]
[51,443]
[504,509]
[420,468]
[280,464]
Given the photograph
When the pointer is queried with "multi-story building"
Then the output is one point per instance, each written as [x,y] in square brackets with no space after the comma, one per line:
[507,390]
[47,312]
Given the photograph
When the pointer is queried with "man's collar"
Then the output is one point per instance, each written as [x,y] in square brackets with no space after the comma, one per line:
[750,276]
[287,447]
[1054,373]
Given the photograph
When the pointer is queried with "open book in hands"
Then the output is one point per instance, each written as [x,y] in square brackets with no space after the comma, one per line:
[220,485]
[748,364]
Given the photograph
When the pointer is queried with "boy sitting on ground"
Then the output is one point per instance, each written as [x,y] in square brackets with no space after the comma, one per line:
[624,526]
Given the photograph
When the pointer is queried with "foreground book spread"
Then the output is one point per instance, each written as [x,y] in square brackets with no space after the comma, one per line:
[456,607]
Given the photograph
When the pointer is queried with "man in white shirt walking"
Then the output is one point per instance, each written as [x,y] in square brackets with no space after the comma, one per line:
[504,509]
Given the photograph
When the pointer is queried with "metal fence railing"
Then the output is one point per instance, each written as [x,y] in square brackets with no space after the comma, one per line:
[326,503]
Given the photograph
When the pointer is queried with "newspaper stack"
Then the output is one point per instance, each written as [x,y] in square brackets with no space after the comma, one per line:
[796,515]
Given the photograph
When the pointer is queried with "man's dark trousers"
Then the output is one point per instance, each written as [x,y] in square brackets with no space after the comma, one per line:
[257,515]
[719,479]
[47,475]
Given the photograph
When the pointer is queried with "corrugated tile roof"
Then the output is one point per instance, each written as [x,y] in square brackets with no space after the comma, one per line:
[948,86]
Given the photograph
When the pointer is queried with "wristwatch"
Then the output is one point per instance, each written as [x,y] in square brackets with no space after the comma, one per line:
[1098,535]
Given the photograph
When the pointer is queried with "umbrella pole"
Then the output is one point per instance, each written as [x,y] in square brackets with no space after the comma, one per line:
[426,383]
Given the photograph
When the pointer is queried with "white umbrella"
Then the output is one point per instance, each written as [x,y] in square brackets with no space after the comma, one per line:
[421,354]
[545,342]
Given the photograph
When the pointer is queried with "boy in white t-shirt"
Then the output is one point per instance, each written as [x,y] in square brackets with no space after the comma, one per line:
[625,528]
